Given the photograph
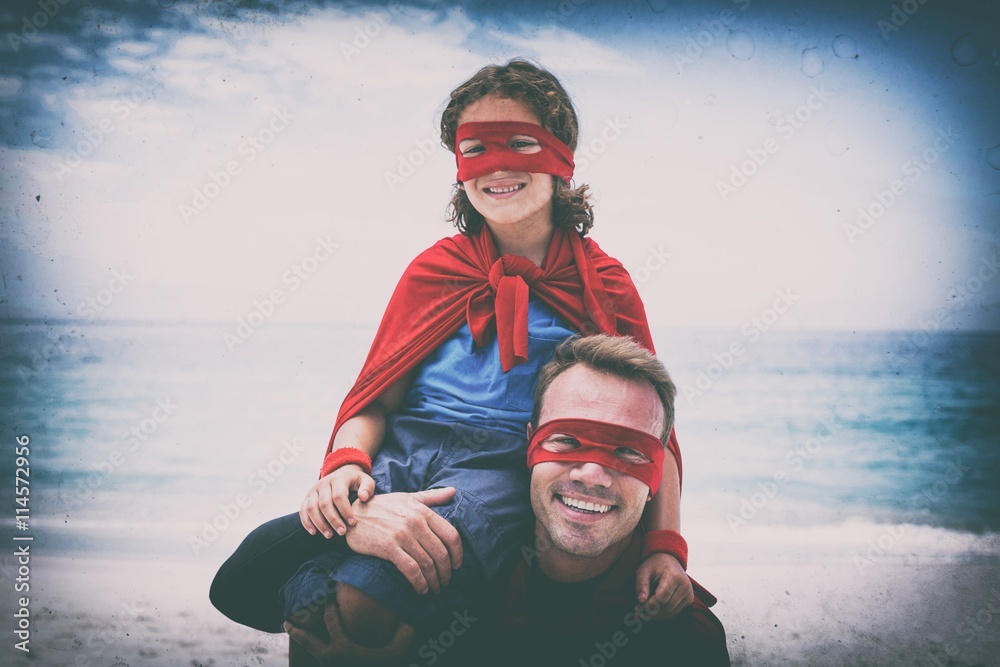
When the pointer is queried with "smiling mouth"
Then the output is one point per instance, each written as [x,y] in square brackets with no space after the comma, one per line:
[504,190]
[584,506]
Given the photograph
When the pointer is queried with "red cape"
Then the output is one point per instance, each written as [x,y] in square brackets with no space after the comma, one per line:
[462,279]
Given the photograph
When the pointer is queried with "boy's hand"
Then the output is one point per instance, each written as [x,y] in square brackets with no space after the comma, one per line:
[662,587]
[327,506]
[402,529]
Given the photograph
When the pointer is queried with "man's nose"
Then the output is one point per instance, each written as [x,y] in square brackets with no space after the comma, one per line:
[591,474]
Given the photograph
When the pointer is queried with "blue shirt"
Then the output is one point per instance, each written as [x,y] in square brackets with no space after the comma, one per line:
[461,382]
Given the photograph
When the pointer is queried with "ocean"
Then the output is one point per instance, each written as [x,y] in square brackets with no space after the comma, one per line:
[167,440]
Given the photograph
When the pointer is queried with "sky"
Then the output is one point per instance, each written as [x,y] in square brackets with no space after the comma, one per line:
[836,164]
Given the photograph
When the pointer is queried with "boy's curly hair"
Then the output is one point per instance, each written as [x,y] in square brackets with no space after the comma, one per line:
[541,91]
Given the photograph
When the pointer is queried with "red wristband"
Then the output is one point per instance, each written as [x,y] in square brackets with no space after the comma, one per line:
[667,542]
[344,455]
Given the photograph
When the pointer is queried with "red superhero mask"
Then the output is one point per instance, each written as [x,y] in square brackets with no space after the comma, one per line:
[497,154]
[601,443]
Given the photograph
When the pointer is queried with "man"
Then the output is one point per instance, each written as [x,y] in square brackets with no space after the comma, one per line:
[603,408]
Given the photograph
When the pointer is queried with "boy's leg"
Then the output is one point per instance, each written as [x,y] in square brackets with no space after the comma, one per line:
[358,614]
[366,621]
[490,510]
[380,596]
[372,595]
[299,656]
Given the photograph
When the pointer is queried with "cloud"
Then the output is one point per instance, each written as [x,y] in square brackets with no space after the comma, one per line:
[567,51]
[169,118]
[10,86]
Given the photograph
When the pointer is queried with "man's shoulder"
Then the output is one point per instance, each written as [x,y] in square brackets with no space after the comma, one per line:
[693,637]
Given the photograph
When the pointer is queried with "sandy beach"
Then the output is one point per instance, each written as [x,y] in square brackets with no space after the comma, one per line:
[787,597]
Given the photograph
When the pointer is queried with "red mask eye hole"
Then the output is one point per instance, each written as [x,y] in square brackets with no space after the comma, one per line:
[631,456]
[560,444]
[470,148]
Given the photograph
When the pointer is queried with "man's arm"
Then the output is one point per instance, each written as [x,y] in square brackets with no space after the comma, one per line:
[402,529]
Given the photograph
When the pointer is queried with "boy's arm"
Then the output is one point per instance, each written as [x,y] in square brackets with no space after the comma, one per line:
[327,505]
[664,511]
[366,430]
[661,583]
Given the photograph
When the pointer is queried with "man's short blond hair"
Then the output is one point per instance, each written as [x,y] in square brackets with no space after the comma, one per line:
[620,356]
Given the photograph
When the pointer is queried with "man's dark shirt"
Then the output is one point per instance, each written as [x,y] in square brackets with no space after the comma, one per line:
[592,623]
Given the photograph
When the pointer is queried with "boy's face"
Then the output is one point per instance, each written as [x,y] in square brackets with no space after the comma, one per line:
[507,198]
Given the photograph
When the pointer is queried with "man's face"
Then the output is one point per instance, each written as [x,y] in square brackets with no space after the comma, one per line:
[585,508]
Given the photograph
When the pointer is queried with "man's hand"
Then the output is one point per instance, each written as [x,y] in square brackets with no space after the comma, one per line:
[327,505]
[402,529]
[662,587]
[340,650]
